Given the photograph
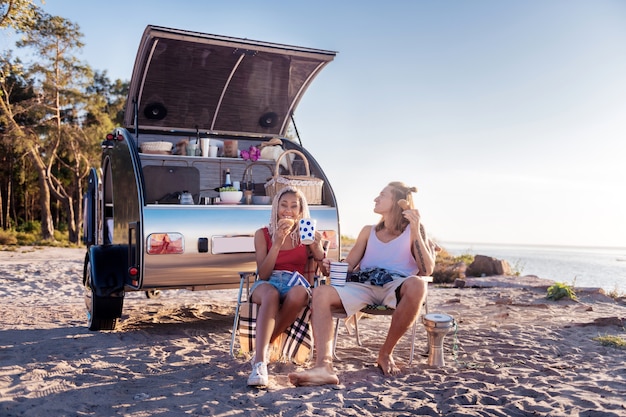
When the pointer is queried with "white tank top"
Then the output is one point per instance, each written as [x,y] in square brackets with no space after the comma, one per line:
[394,255]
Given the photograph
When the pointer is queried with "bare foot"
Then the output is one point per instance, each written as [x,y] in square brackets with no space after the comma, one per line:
[387,365]
[314,376]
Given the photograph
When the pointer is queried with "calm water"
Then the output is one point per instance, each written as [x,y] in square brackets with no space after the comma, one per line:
[582,267]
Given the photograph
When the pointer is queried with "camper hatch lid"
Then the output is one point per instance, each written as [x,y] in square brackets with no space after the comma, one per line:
[185,80]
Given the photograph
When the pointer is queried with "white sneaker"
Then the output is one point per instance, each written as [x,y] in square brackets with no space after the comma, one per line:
[258,377]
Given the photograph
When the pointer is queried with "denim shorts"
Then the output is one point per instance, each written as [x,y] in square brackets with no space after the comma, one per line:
[279,280]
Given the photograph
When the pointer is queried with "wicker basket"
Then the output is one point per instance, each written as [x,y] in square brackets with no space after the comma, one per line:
[158,147]
[311,187]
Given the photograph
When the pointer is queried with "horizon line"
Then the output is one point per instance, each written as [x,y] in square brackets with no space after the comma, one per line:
[546,245]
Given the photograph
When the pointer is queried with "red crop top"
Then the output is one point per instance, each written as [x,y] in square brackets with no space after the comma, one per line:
[288,260]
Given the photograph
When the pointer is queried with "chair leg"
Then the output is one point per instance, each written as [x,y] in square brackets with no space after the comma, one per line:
[244,278]
[356,330]
[335,339]
[413,334]
[425,305]
[358,336]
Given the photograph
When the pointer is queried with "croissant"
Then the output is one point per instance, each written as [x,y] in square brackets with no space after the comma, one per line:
[404,204]
[290,222]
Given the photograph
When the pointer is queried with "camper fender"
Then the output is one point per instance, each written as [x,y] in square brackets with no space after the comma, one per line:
[109,269]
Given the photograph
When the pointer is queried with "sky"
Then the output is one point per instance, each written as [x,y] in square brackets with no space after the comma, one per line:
[508,116]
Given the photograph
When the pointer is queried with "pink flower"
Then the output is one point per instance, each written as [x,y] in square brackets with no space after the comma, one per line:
[252,154]
[255,153]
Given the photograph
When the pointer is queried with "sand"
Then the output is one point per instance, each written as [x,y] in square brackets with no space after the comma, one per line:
[514,353]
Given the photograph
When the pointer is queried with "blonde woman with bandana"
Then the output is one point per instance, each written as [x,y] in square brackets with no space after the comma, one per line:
[279,253]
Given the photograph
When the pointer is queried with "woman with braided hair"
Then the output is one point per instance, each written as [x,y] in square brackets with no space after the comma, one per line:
[279,253]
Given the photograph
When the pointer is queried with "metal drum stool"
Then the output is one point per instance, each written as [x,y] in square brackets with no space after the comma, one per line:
[437,326]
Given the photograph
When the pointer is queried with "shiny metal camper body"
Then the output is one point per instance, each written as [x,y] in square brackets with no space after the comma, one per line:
[188,86]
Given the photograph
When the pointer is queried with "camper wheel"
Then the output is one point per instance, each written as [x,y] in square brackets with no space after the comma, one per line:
[102,312]
[153,294]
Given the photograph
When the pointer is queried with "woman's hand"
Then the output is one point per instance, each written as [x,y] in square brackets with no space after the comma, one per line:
[326,263]
[283,229]
[317,247]
[317,238]
[413,216]
[415,220]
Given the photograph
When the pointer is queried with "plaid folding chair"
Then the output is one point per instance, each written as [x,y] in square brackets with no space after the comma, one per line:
[297,340]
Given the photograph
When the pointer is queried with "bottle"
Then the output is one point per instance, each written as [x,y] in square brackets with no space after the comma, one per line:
[228,182]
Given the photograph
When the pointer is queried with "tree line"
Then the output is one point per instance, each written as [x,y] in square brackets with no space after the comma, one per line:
[54,113]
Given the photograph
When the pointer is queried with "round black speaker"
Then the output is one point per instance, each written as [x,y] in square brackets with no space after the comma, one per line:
[155,111]
[269,119]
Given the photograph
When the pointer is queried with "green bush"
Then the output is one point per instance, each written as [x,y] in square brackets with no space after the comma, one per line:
[611,341]
[26,239]
[31,226]
[29,234]
[7,237]
[449,268]
[560,290]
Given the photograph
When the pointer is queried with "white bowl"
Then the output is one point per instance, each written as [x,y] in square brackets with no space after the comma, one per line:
[261,199]
[230,197]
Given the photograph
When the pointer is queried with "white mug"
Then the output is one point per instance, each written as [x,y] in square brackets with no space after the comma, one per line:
[338,273]
[307,231]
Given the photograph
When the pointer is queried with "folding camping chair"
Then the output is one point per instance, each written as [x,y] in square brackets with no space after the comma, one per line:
[240,327]
[379,310]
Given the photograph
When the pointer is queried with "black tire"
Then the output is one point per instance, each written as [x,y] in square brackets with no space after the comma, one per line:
[102,312]
[153,294]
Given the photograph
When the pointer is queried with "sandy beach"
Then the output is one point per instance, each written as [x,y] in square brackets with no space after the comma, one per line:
[515,353]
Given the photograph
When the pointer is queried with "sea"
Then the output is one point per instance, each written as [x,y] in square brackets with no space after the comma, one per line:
[580,267]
